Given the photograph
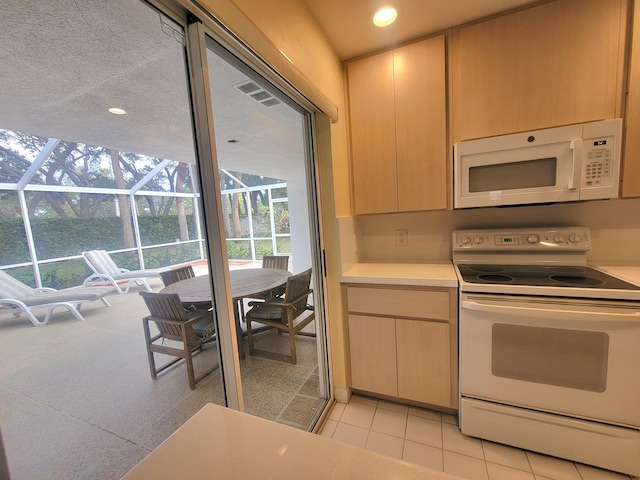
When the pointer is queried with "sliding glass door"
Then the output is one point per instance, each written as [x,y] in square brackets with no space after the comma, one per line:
[264,156]
[259,189]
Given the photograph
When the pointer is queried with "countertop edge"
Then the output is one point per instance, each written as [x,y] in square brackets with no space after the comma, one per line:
[440,274]
[420,282]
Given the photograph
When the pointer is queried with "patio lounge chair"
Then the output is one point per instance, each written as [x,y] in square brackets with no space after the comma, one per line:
[22,298]
[106,270]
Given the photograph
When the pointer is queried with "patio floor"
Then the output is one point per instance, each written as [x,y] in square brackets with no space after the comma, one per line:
[77,400]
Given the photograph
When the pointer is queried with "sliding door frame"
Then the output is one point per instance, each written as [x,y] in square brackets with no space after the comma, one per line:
[199,24]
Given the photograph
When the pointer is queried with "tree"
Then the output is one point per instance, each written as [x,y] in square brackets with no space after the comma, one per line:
[123,201]
[181,177]
[231,208]
[235,207]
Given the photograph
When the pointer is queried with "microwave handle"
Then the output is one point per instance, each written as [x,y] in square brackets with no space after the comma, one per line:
[576,161]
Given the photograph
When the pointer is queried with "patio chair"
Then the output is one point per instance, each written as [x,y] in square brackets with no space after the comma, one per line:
[280,262]
[190,329]
[176,274]
[281,313]
[21,298]
[106,270]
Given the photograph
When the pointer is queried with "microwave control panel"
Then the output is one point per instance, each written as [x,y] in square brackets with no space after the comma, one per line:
[598,161]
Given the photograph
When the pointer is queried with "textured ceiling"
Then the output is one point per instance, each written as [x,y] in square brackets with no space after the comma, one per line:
[70,61]
[66,62]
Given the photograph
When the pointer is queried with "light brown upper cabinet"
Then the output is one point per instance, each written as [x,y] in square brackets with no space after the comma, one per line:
[631,165]
[555,64]
[397,102]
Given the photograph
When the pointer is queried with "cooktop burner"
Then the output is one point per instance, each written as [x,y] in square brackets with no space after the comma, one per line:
[542,275]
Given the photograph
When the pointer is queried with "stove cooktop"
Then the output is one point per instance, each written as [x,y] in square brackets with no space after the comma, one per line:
[542,275]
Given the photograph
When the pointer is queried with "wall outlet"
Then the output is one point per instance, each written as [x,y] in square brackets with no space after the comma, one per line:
[402,238]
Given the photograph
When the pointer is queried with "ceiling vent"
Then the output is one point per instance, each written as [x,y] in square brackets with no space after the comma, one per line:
[258,93]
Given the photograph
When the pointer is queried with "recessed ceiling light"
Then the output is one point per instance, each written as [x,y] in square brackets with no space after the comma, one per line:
[385,16]
[117,111]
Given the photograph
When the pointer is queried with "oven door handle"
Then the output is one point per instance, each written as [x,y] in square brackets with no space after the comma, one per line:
[546,311]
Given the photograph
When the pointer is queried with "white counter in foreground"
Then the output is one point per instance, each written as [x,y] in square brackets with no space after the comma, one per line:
[220,443]
[421,274]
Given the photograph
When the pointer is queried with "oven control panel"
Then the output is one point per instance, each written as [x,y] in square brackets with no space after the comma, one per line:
[530,239]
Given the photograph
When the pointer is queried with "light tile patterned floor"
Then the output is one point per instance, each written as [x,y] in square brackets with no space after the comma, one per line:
[433,439]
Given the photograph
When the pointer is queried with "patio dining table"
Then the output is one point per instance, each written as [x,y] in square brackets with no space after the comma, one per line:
[245,283]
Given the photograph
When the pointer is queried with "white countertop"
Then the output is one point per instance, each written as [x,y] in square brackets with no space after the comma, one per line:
[421,274]
[220,443]
[628,273]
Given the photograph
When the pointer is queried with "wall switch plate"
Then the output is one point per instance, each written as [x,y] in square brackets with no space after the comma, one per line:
[402,238]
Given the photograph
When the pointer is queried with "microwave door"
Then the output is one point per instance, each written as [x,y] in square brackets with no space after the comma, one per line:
[513,176]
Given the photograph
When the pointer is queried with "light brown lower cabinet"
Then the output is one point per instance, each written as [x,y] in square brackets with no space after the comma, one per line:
[372,342]
[403,343]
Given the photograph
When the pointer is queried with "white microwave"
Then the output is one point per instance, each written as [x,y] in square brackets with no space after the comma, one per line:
[562,164]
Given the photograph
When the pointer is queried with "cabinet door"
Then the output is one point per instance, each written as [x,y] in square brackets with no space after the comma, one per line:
[631,165]
[555,64]
[421,135]
[373,141]
[372,346]
[424,373]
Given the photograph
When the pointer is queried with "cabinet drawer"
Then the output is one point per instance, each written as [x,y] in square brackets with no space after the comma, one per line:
[399,302]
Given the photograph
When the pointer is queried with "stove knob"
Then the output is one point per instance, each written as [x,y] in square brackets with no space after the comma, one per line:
[478,240]
[559,238]
[575,238]
[533,239]
[464,240]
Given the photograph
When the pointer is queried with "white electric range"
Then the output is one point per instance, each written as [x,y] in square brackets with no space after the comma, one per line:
[549,346]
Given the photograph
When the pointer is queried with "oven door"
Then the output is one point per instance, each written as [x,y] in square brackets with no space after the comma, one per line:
[568,356]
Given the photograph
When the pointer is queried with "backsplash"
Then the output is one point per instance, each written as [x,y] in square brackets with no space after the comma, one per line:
[614,224]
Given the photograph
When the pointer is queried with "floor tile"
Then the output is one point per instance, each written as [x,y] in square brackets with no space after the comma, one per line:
[390,422]
[365,400]
[337,411]
[454,441]
[393,406]
[505,455]
[421,454]
[351,434]
[463,466]
[451,419]
[385,444]
[433,439]
[425,431]
[328,428]
[358,414]
[502,472]
[421,412]
[555,468]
